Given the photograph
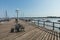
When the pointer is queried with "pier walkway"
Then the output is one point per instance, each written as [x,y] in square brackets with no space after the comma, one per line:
[32,32]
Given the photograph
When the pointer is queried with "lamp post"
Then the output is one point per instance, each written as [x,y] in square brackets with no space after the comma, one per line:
[6,14]
[17,11]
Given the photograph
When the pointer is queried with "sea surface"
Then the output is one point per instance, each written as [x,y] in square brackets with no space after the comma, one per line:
[49,25]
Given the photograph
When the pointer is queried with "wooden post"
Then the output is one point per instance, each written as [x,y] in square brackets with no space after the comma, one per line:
[53,25]
[44,24]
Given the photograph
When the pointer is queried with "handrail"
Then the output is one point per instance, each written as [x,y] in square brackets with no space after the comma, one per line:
[49,25]
[48,22]
[44,24]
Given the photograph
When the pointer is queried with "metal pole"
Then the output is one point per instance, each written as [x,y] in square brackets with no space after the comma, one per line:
[17,15]
[6,14]
[53,25]
[59,32]
[43,23]
[38,23]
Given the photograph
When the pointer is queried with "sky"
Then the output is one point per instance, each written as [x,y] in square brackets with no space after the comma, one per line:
[30,8]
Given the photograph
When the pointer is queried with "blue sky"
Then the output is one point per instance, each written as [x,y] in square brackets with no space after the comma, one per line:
[29,8]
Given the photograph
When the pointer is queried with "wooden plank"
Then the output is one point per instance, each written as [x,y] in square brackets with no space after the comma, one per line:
[41,36]
[36,35]
[45,36]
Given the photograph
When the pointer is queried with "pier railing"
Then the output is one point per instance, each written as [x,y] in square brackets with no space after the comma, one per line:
[54,26]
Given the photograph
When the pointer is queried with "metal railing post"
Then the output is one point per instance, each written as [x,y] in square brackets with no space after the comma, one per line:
[53,25]
[44,24]
[38,23]
[59,32]
[34,21]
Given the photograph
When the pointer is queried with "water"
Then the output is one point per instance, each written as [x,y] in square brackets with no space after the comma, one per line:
[51,19]
[49,25]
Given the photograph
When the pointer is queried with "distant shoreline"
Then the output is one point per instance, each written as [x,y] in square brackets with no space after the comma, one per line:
[33,17]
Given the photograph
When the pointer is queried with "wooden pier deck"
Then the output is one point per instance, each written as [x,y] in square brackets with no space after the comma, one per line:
[31,32]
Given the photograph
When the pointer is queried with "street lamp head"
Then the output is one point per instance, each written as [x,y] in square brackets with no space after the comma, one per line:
[17,9]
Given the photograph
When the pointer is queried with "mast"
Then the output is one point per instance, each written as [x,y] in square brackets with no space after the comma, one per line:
[6,14]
